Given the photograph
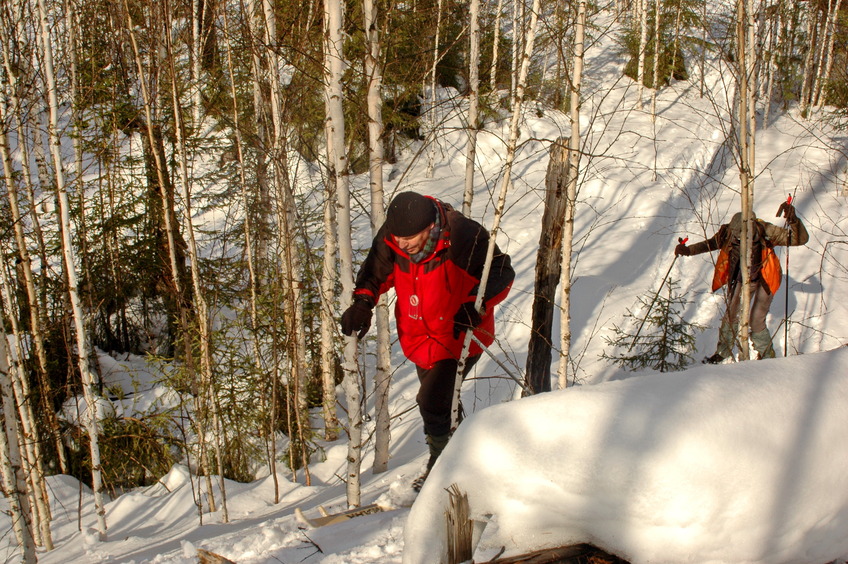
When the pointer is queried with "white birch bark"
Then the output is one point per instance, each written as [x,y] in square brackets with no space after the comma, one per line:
[83,350]
[745,172]
[36,307]
[334,66]
[656,69]
[493,70]
[259,250]
[517,36]
[826,62]
[642,12]
[431,111]
[473,103]
[291,268]
[34,458]
[775,39]
[249,245]
[573,175]
[197,53]
[328,274]
[30,443]
[506,183]
[200,305]
[14,479]
[806,82]
[170,230]
[382,375]
[26,437]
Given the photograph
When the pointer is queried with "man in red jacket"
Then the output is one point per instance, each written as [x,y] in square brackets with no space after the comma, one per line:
[433,256]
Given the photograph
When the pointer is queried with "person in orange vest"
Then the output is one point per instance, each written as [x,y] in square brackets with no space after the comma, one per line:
[765,275]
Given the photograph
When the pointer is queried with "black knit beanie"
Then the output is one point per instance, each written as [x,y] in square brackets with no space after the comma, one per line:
[410,213]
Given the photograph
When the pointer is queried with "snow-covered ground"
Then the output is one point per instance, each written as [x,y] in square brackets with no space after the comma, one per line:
[742,462]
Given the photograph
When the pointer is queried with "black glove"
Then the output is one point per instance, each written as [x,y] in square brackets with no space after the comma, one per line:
[682,250]
[357,318]
[787,210]
[467,317]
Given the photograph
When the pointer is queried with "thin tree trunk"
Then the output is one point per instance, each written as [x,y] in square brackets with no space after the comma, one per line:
[745,175]
[291,275]
[201,308]
[33,452]
[248,243]
[473,103]
[548,270]
[382,376]
[36,306]
[334,65]
[14,480]
[32,461]
[807,80]
[431,111]
[506,183]
[170,231]
[573,175]
[493,72]
[83,350]
[643,44]
[827,63]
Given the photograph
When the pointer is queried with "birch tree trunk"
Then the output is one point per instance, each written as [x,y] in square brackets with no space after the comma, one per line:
[493,70]
[826,60]
[807,80]
[249,249]
[21,411]
[334,66]
[517,38]
[200,305]
[746,168]
[431,111]
[382,376]
[642,12]
[506,183]
[291,269]
[14,479]
[170,230]
[83,349]
[573,175]
[473,103]
[36,306]
[34,457]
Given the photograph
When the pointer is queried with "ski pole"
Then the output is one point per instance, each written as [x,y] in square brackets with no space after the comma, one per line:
[786,284]
[680,240]
[509,373]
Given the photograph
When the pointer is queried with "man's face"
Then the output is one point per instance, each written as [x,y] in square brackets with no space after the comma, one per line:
[414,243]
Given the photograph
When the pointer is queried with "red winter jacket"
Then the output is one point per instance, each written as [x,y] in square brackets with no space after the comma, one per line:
[430,292]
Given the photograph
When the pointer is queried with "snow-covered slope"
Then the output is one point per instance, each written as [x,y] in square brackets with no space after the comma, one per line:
[646,183]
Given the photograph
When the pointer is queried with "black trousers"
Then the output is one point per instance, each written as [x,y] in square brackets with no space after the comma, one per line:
[435,394]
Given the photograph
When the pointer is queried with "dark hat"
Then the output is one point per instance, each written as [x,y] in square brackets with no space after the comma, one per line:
[410,213]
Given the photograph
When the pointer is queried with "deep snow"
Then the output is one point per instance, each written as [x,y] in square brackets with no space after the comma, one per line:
[662,467]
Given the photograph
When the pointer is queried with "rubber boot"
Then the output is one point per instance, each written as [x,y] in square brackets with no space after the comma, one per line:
[724,348]
[726,339]
[762,343]
[436,444]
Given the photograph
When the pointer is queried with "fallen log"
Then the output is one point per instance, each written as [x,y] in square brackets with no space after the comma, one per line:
[573,554]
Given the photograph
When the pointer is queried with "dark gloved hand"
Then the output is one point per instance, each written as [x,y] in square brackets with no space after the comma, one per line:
[787,210]
[467,317]
[357,318]
[682,250]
